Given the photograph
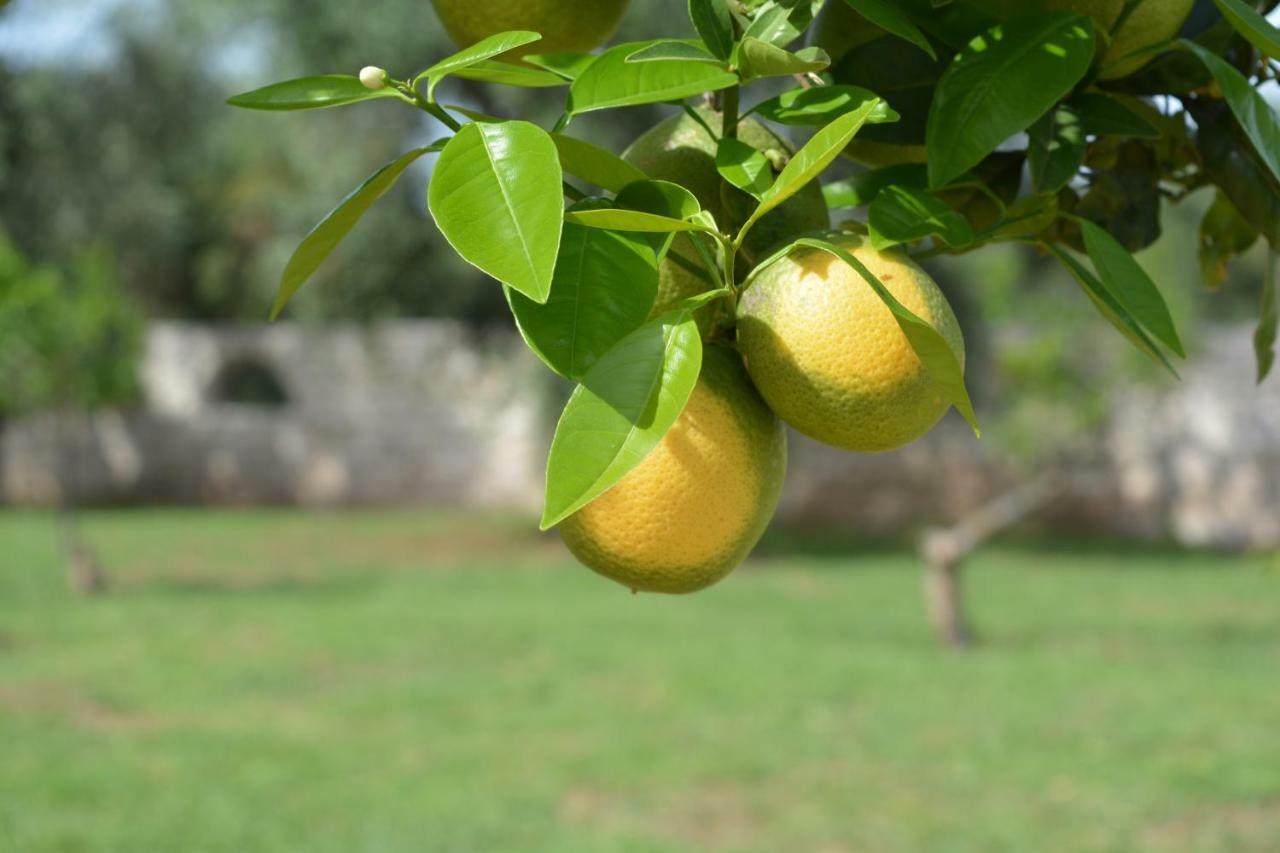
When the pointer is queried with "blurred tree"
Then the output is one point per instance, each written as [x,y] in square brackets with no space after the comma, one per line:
[132,145]
[69,343]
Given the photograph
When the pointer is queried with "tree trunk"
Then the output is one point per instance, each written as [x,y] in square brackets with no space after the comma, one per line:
[944,550]
[84,571]
[945,605]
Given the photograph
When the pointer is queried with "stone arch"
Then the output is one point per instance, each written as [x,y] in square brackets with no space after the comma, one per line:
[248,380]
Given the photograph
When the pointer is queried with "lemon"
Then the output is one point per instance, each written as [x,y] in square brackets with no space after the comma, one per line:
[830,358]
[680,150]
[698,503]
[565,25]
[1151,22]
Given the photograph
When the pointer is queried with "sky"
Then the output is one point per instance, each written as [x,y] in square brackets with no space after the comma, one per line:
[37,32]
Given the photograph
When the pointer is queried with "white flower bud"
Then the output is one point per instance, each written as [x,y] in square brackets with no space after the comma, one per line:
[373,77]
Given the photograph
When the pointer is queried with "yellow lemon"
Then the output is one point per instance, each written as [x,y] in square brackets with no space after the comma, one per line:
[680,150]
[695,507]
[565,25]
[830,358]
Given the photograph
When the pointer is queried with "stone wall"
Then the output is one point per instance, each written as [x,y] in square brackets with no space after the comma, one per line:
[435,413]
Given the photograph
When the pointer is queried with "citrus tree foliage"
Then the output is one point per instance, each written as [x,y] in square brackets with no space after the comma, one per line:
[69,338]
[1028,126]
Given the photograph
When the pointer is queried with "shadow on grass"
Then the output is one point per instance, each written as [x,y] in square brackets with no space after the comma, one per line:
[335,585]
[828,544]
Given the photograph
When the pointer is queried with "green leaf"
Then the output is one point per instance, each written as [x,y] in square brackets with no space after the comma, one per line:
[1056,147]
[888,16]
[616,417]
[331,231]
[781,23]
[497,197]
[1000,84]
[661,198]
[1250,108]
[604,287]
[902,215]
[567,64]
[611,81]
[1109,307]
[310,93]
[691,304]
[1105,115]
[474,115]
[811,160]
[594,164]
[476,53]
[758,59]
[863,187]
[933,350]
[509,74]
[1264,339]
[667,50]
[1224,233]
[1131,285]
[818,105]
[714,24]
[744,166]
[633,220]
[1250,24]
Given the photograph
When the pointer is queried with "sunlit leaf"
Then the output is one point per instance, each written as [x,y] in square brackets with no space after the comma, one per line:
[611,81]
[484,49]
[1252,25]
[1131,285]
[1109,307]
[310,93]
[939,360]
[891,17]
[510,74]
[811,160]
[714,23]
[1249,107]
[757,59]
[743,166]
[815,106]
[331,231]
[626,403]
[604,287]
[903,215]
[497,197]
[1000,84]
[594,164]
[667,50]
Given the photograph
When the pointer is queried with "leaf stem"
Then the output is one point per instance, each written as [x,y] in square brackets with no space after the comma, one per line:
[732,98]
[693,114]
[410,91]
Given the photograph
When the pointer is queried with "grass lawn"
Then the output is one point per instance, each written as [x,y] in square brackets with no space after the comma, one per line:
[414,682]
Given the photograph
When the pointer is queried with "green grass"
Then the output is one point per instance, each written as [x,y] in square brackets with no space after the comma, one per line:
[412,682]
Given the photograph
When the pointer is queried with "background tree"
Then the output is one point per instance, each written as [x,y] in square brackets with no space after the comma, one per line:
[69,343]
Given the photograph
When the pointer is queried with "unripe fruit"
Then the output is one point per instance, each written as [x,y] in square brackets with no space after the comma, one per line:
[565,25]
[828,355]
[699,502]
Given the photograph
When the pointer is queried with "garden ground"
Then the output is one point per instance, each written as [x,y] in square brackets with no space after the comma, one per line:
[341,683]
